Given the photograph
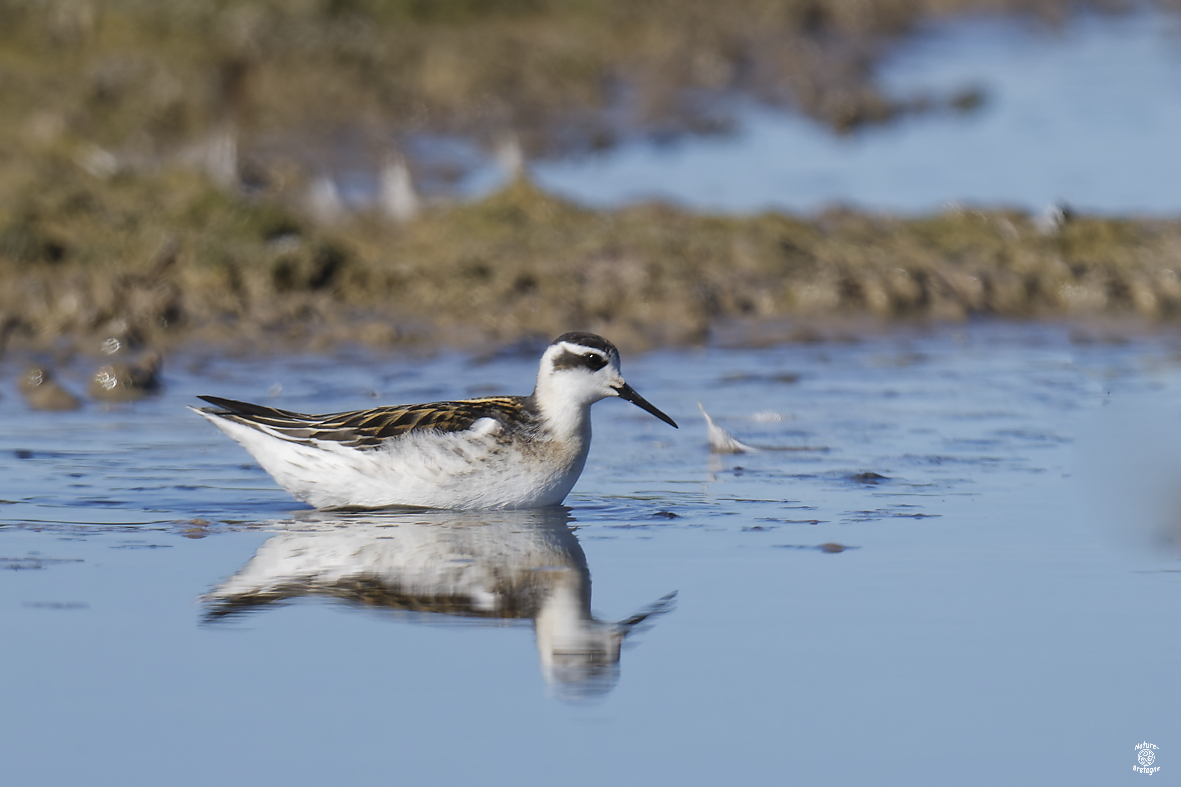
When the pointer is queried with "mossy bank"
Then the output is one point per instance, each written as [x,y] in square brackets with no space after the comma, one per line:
[169,258]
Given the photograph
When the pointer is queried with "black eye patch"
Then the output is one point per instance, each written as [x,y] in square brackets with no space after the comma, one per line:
[568,360]
[594,361]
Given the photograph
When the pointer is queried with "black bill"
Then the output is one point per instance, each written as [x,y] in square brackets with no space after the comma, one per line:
[628,394]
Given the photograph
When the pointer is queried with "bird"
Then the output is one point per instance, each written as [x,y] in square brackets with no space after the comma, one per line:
[496,452]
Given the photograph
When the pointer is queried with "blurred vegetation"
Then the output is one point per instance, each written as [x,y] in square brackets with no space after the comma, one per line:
[521,263]
[154,172]
[158,73]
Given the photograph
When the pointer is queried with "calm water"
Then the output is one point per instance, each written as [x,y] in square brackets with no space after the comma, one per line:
[1086,115]
[1006,610]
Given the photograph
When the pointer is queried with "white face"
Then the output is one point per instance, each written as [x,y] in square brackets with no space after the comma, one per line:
[584,374]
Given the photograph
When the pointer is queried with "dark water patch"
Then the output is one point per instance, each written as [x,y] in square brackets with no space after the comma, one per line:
[974,442]
[815,449]
[901,360]
[73,527]
[56,605]
[753,500]
[1034,437]
[33,563]
[879,514]
[827,548]
[986,415]
[798,521]
[735,378]
[939,460]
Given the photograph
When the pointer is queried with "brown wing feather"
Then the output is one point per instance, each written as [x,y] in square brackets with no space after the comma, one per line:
[370,428]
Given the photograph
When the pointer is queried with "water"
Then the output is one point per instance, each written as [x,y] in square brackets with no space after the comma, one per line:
[1084,115]
[1004,610]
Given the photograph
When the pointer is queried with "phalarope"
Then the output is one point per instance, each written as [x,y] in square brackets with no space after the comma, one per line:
[493,452]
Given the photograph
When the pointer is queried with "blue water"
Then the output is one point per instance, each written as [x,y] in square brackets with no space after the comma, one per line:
[1086,115]
[1005,610]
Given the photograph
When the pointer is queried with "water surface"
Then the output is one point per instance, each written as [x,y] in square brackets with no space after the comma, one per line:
[1085,115]
[1003,609]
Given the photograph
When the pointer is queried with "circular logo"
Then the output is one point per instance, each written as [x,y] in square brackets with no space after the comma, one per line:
[1146,757]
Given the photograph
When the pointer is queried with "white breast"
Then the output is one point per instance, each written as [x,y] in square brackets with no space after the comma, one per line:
[476,468]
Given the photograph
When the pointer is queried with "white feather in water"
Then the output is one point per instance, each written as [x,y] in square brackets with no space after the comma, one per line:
[721,441]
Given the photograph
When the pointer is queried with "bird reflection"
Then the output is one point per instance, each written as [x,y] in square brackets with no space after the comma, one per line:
[500,565]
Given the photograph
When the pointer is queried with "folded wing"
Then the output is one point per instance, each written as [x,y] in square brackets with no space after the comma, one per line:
[369,428]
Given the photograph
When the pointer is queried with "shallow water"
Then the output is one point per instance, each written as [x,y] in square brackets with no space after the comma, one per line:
[1085,115]
[1004,611]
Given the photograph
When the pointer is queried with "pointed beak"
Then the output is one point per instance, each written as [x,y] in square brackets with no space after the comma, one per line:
[626,393]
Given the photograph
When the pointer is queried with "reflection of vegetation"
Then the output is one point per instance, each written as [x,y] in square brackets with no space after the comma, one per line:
[154,157]
[523,263]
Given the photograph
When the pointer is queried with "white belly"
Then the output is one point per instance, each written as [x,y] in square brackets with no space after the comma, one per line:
[474,469]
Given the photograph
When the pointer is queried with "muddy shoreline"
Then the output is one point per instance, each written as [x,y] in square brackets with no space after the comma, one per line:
[522,264]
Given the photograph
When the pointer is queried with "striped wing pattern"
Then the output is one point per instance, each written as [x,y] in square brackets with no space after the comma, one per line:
[370,428]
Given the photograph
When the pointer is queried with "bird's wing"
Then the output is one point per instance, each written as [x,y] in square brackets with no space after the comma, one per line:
[370,428]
